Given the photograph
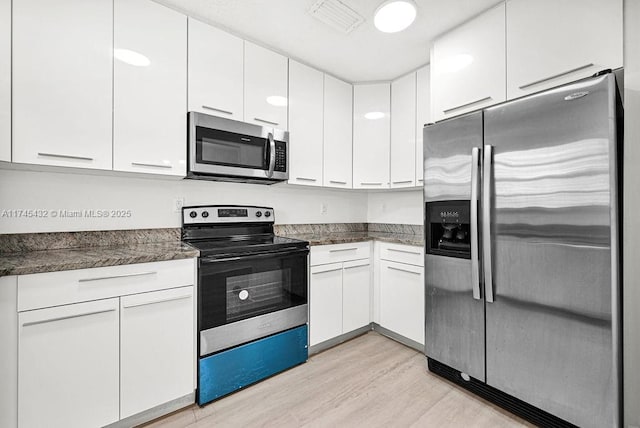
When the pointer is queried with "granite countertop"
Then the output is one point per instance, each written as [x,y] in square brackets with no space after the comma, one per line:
[320,238]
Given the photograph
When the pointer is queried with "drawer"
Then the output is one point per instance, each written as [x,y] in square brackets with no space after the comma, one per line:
[399,253]
[43,290]
[336,253]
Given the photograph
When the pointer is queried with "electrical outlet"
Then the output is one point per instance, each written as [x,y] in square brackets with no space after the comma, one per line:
[323,208]
[178,203]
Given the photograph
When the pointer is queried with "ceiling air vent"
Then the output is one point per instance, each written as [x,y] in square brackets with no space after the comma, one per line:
[336,14]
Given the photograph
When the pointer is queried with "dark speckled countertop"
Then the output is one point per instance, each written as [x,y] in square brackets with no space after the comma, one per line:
[342,233]
[50,252]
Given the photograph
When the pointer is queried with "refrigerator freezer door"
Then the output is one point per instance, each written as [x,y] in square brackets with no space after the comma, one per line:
[454,319]
[552,331]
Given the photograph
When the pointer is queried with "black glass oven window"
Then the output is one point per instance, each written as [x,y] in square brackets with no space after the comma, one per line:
[217,147]
[234,290]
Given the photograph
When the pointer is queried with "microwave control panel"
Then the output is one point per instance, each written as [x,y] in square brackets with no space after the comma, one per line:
[281,157]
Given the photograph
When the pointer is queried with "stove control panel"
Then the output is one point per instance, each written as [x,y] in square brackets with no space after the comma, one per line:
[211,214]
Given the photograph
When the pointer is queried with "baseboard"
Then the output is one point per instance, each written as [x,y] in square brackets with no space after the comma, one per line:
[155,412]
[323,346]
[397,337]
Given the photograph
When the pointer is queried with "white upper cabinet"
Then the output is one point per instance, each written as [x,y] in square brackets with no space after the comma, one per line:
[62,82]
[5,80]
[215,71]
[423,116]
[468,66]
[371,136]
[150,88]
[305,124]
[338,138]
[551,42]
[403,131]
[265,87]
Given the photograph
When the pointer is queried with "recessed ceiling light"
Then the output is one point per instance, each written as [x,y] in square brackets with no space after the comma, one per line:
[277,100]
[394,15]
[131,57]
[374,115]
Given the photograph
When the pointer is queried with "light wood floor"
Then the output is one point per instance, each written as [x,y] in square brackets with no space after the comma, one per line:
[370,381]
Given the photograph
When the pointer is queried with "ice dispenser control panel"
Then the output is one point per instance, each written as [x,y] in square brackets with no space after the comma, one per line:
[448,229]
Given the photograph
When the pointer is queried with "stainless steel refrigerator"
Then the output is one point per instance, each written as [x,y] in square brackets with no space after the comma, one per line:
[522,265]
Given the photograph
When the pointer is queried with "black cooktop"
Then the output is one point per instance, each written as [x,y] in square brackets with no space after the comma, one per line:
[234,246]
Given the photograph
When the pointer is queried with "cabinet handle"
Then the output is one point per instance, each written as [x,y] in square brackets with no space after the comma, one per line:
[54,155]
[421,180]
[126,275]
[403,270]
[357,266]
[86,314]
[219,110]
[152,302]
[469,104]
[404,251]
[153,165]
[403,182]
[337,182]
[265,121]
[573,70]
[370,184]
[342,249]
[306,179]
[328,270]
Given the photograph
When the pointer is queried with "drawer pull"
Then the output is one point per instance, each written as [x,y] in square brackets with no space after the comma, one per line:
[403,270]
[469,104]
[370,184]
[573,70]
[126,275]
[54,155]
[86,314]
[405,251]
[219,110]
[151,302]
[357,266]
[153,165]
[337,182]
[342,249]
[265,121]
[306,179]
[328,270]
[403,182]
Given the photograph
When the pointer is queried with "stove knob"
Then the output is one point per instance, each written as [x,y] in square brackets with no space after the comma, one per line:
[267,214]
[205,214]
[193,214]
[258,214]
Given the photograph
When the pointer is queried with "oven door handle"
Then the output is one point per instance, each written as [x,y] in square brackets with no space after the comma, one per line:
[256,256]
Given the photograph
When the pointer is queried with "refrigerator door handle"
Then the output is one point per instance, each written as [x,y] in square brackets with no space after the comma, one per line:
[487,165]
[475,263]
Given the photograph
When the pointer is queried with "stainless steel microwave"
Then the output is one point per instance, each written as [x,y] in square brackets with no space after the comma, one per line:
[229,150]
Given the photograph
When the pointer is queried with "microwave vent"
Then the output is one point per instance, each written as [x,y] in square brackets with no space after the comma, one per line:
[336,14]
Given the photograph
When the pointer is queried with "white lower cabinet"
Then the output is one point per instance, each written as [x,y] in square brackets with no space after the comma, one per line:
[401,300]
[98,358]
[356,295]
[325,297]
[156,348]
[68,362]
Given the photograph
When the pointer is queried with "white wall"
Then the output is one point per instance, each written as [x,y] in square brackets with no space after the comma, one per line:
[151,201]
[631,221]
[398,207]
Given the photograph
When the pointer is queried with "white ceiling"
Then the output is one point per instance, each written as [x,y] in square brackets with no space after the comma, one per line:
[364,55]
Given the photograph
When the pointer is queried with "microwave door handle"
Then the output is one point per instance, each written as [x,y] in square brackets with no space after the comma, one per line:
[272,155]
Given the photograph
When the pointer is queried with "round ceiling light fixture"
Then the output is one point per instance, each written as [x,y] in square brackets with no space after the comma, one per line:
[395,15]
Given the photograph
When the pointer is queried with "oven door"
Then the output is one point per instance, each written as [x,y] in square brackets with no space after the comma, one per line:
[251,296]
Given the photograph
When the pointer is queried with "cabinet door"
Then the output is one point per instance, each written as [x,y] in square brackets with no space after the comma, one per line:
[5,80]
[403,131]
[468,66]
[62,82]
[265,87]
[423,116]
[157,349]
[356,295]
[325,303]
[68,365]
[551,42]
[338,133]
[402,299]
[371,136]
[215,71]
[305,124]
[150,88]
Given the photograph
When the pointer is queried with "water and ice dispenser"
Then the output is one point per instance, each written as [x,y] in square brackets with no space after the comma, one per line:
[448,231]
